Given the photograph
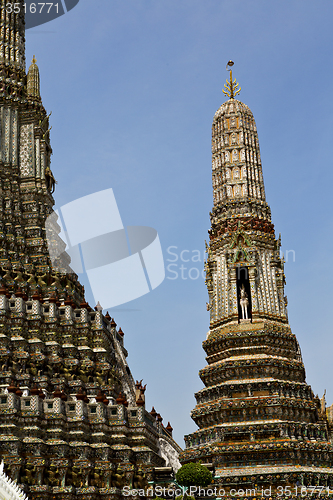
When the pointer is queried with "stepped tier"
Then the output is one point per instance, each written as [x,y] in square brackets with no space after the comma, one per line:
[65,429]
[257,409]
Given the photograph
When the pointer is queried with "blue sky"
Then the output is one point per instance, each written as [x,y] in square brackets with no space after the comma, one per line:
[133,86]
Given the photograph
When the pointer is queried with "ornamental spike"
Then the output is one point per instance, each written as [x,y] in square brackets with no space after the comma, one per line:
[231,87]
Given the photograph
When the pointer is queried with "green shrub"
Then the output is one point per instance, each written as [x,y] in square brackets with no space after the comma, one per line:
[185,497]
[194,474]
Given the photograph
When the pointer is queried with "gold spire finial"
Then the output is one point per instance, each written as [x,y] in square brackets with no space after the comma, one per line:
[231,88]
[33,85]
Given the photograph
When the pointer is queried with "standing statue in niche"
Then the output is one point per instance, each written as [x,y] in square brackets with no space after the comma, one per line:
[244,303]
[50,180]
[323,404]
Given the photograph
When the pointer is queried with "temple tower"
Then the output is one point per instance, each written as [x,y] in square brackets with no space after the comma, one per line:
[73,423]
[259,421]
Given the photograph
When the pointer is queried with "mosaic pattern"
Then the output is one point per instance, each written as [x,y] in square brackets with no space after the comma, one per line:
[38,159]
[7,133]
[26,150]
[236,170]
[14,138]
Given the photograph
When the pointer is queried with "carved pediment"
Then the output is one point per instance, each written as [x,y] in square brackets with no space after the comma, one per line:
[240,244]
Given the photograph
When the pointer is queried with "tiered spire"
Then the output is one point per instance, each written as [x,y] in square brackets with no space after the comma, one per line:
[236,162]
[33,81]
[259,422]
[26,178]
[243,252]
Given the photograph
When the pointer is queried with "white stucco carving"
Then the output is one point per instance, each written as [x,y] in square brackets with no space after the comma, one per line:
[8,488]
[169,454]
